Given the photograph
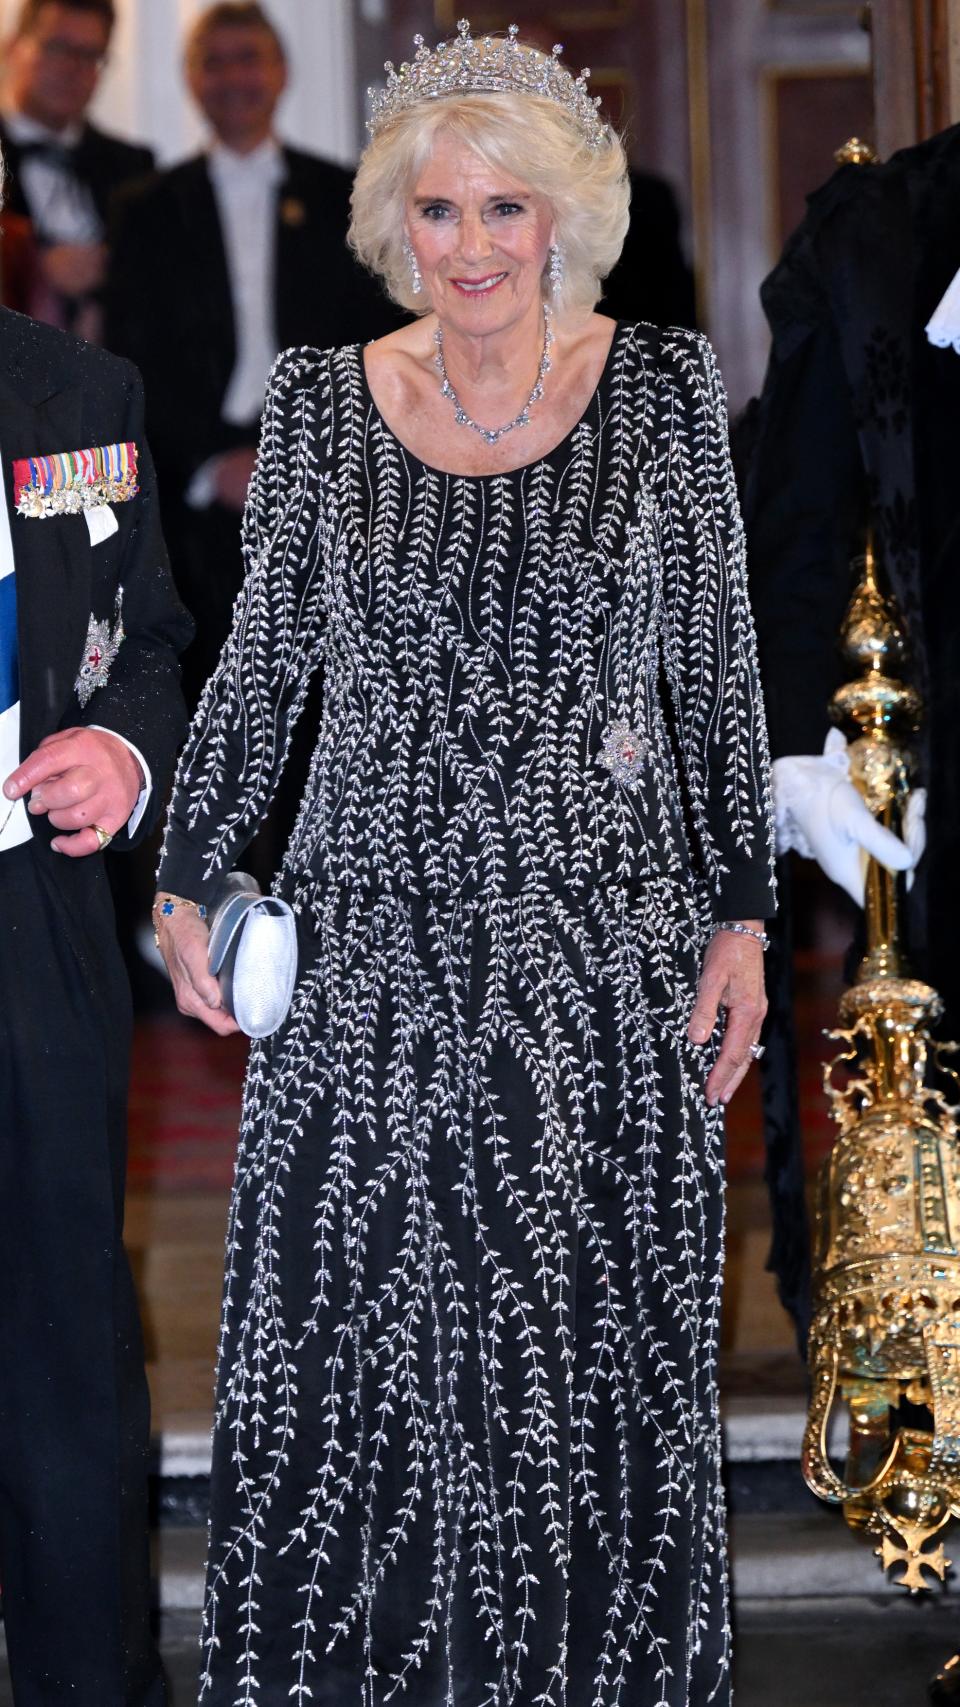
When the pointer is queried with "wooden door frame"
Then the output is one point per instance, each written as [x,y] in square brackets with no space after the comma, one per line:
[916,60]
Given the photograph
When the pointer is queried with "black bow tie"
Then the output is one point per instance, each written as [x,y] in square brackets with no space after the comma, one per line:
[54,153]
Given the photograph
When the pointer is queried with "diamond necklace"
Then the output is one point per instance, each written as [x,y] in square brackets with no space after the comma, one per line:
[493,435]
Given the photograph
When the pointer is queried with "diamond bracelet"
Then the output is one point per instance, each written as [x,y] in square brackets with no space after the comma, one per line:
[736,929]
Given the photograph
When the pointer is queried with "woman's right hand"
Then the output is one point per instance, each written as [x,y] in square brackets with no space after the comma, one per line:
[183,940]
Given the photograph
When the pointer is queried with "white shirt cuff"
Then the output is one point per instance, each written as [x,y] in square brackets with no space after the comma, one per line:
[133,822]
[202,489]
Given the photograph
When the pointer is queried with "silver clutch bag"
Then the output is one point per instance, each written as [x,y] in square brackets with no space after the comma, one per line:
[253,954]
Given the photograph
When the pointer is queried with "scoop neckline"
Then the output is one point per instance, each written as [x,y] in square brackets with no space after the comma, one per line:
[619,328]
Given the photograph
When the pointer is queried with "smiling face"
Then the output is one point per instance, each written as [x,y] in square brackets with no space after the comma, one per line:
[236,76]
[53,66]
[481,239]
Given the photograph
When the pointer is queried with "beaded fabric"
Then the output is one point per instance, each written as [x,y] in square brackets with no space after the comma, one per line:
[473,65]
[467,1446]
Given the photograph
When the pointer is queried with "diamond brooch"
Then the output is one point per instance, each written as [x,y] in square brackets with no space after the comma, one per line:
[623,753]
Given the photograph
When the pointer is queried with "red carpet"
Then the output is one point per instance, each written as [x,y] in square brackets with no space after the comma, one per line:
[184,1107]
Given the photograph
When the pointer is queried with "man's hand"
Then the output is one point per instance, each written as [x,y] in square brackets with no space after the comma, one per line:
[74,269]
[184,942]
[824,817]
[232,475]
[79,777]
[732,978]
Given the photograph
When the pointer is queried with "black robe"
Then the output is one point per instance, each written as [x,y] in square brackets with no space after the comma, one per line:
[857,421]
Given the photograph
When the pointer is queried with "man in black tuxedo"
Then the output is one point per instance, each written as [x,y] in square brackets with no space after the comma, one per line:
[63,171]
[216,266]
[91,715]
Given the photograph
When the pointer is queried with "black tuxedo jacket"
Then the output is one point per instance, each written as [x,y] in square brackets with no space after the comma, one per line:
[102,162]
[170,307]
[58,394]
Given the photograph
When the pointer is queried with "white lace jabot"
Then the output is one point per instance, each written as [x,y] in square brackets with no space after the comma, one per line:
[943,327]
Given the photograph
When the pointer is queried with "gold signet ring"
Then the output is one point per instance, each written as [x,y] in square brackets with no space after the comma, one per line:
[103,836]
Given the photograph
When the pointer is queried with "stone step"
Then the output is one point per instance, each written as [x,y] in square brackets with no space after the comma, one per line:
[809,1556]
[770,1430]
[178,1564]
[855,1652]
[756,1430]
[812,1555]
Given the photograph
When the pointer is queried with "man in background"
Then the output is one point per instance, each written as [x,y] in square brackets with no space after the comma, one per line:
[217,265]
[62,171]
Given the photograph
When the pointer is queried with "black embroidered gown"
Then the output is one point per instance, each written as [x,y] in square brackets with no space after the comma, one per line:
[467,1449]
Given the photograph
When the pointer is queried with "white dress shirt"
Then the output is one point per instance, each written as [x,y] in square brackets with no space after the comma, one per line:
[61,208]
[14,822]
[245,187]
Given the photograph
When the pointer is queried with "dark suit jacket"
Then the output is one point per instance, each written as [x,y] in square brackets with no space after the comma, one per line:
[170,307]
[102,162]
[58,394]
[652,280]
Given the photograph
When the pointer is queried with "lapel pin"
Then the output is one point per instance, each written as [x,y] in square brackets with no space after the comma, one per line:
[292,211]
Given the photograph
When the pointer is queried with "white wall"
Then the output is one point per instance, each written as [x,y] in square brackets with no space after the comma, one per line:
[142,94]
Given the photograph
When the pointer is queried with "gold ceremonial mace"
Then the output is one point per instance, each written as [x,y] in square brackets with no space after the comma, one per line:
[886,1329]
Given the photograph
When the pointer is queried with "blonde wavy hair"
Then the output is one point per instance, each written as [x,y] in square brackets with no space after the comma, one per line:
[530,137]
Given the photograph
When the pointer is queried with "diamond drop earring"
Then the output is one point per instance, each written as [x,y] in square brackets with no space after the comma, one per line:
[556,270]
[416,277]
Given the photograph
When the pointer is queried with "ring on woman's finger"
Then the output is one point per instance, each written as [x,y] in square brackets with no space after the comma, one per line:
[756,1050]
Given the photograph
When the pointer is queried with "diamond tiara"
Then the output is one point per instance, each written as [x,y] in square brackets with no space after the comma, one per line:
[468,65]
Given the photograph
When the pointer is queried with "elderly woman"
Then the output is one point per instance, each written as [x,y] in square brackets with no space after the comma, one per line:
[467,1448]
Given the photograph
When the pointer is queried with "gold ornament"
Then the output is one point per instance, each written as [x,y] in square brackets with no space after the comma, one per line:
[856,153]
[886,1326]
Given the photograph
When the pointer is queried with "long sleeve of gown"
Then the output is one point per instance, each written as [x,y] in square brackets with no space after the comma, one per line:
[710,646]
[240,737]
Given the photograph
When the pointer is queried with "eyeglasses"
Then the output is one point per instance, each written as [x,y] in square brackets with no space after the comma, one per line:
[69,53]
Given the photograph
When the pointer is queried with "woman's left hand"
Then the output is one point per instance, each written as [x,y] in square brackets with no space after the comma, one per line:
[732,978]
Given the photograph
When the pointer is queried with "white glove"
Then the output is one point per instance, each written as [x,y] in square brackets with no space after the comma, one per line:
[822,816]
[915,829]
